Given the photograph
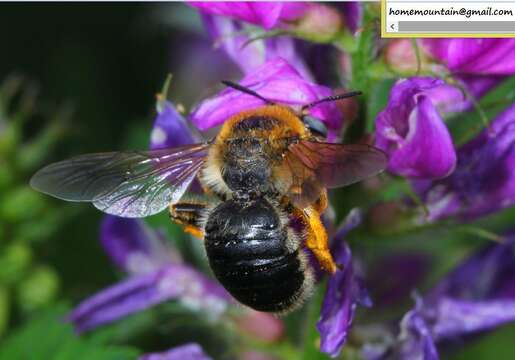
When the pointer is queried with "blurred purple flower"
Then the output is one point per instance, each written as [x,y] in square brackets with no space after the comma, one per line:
[133,247]
[159,280]
[190,351]
[249,55]
[352,14]
[477,295]
[171,128]
[344,293]
[484,180]
[406,271]
[474,56]
[309,20]
[412,132]
[277,81]
[266,14]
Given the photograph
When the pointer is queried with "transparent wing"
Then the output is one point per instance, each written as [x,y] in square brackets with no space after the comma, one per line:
[128,184]
[317,165]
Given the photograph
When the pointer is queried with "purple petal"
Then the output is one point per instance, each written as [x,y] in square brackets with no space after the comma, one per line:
[190,351]
[134,247]
[484,181]
[265,14]
[485,275]
[171,129]
[477,295]
[411,131]
[474,297]
[344,292]
[249,56]
[353,14]
[277,81]
[474,56]
[174,282]
[457,317]
[415,339]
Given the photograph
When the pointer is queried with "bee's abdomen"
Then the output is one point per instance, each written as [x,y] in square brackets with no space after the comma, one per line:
[247,249]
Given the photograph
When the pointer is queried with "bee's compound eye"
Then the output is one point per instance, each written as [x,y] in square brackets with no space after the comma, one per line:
[316,126]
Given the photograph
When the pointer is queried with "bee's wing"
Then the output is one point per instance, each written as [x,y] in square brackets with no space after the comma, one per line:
[128,184]
[315,165]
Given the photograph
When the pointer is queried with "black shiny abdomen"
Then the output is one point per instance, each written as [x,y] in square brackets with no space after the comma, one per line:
[246,246]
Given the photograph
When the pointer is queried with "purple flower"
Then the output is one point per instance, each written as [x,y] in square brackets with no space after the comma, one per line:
[474,56]
[483,181]
[352,14]
[412,132]
[477,295]
[249,55]
[190,351]
[157,281]
[344,293]
[171,128]
[406,270]
[277,81]
[401,56]
[415,338]
[265,14]
[133,247]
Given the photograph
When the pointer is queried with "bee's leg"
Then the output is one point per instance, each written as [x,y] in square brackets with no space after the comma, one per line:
[317,240]
[322,202]
[188,214]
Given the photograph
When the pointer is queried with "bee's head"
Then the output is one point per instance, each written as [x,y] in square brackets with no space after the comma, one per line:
[313,124]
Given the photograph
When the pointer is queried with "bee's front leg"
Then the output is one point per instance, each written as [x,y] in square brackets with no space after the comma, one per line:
[188,214]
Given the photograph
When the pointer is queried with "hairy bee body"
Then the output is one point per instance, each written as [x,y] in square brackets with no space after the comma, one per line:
[256,256]
[250,245]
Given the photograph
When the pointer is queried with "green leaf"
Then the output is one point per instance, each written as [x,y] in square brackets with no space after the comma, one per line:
[14,261]
[22,203]
[4,309]
[48,337]
[38,289]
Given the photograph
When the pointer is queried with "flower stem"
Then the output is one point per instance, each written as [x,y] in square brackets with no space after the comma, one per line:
[482,233]
[417,55]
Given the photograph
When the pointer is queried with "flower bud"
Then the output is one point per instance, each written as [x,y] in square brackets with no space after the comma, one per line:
[320,23]
[401,56]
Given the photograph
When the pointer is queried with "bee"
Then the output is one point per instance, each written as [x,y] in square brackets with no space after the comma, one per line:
[267,168]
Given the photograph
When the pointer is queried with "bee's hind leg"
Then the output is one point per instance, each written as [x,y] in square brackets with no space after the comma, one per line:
[317,240]
[189,214]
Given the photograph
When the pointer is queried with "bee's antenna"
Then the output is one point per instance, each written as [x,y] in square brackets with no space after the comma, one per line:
[332,98]
[245,90]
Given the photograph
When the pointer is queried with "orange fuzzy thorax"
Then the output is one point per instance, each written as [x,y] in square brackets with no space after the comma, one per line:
[289,123]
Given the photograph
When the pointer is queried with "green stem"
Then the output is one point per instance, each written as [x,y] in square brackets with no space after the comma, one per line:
[417,54]
[482,233]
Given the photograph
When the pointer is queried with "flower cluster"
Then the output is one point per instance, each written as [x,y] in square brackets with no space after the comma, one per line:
[414,128]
